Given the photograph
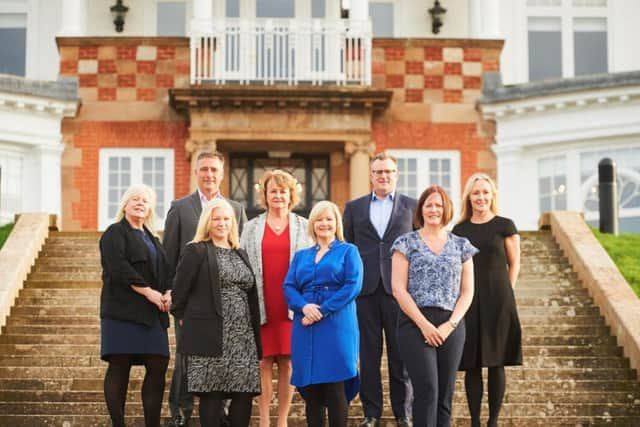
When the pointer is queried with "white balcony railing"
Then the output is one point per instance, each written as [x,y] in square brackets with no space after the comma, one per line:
[284,51]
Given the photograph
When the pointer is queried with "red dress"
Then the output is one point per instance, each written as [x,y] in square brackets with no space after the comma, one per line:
[276,333]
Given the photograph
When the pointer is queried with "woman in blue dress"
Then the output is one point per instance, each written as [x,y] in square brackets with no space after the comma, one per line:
[320,288]
[432,280]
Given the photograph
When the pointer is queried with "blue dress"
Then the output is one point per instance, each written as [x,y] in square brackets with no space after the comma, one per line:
[326,351]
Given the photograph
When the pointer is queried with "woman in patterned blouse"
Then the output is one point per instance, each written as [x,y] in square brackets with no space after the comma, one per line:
[432,280]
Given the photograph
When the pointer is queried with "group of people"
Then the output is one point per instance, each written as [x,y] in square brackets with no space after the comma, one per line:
[317,298]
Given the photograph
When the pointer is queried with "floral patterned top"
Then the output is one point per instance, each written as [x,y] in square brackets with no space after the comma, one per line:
[434,279]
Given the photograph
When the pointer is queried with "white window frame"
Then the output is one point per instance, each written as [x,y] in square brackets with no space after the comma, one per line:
[554,158]
[136,155]
[566,12]
[423,157]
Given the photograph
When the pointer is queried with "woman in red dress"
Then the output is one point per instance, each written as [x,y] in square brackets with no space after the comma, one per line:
[271,239]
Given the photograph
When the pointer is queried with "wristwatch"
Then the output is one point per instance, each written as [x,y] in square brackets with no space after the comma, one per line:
[453,323]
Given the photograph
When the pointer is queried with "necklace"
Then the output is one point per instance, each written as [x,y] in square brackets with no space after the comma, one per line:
[277,227]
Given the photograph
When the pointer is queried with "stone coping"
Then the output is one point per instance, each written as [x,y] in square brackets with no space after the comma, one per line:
[121,41]
[610,291]
[18,255]
[427,42]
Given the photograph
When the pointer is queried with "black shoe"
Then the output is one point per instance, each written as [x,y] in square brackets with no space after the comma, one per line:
[404,422]
[178,421]
[370,422]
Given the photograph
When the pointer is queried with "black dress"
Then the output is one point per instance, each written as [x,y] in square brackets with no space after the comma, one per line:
[492,324]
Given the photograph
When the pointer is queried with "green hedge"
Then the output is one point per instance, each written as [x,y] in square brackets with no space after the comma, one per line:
[624,250]
[4,233]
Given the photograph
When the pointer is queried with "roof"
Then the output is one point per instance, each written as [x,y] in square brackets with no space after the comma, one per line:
[494,92]
[62,89]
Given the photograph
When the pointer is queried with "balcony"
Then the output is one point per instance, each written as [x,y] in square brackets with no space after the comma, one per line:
[282,51]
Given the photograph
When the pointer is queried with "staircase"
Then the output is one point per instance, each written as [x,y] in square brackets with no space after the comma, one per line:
[51,373]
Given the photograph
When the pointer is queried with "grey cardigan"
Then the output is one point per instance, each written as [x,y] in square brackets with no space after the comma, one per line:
[251,241]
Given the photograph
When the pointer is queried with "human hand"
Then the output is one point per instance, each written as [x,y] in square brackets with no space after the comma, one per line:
[445,329]
[432,335]
[307,322]
[167,300]
[155,298]
[312,311]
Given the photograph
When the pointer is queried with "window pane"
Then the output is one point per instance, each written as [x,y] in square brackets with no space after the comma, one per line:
[545,204]
[233,8]
[381,15]
[590,45]
[172,18]
[318,8]
[147,164]
[13,48]
[411,165]
[545,48]
[545,185]
[125,163]
[275,8]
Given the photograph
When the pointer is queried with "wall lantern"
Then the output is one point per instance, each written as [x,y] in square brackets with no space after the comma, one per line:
[118,11]
[436,13]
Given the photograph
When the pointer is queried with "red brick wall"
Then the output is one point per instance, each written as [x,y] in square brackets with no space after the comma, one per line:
[91,136]
[435,84]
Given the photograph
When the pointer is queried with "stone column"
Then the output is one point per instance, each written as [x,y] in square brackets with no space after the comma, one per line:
[484,19]
[192,149]
[359,10]
[359,154]
[202,15]
[74,18]
[47,161]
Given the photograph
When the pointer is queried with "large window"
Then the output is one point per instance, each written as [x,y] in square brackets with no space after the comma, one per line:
[381,15]
[13,43]
[552,183]
[171,18]
[121,168]
[545,48]
[418,169]
[275,9]
[567,38]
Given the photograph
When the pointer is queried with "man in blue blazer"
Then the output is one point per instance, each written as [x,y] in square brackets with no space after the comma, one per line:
[180,228]
[372,223]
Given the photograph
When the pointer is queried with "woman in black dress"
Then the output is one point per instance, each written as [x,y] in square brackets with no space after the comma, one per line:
[216,301]
[134,302]
[493,328]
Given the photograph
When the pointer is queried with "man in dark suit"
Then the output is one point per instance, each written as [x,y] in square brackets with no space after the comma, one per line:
[372,223]
[180,228]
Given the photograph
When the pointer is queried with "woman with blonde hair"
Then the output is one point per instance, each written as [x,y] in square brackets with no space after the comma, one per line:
[271,239]
[493,328]
[134,302]
[321,287]
[216,302]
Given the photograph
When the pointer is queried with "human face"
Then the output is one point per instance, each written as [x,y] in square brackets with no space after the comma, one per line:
[433,210]
[384,175]
[137,208]
[480,196]
[325,226]
[278,197]
[209,172]
[220,224]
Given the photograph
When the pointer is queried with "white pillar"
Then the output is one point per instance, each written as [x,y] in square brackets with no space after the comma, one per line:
[202,15]
[47,159]
[475,19]
[359,10]
[484,19]
[74,18]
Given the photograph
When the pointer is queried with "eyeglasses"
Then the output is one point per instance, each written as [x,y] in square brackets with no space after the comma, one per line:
[380,172]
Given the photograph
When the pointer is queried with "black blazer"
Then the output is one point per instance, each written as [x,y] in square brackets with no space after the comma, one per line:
[373,250]
[182,221]
[197,302]
[126,261]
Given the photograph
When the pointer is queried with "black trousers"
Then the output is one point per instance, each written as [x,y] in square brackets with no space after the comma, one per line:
[432,369]
[179,397]
[378,313]
[331,395]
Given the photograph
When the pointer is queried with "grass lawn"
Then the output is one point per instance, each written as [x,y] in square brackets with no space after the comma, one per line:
[4,233]
[624,249]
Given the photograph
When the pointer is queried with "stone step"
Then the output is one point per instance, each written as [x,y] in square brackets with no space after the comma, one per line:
[78,253]
[91,267]
[16,319]
[62,284]
[529,374]
[554,301]
[52,301]
[297,410]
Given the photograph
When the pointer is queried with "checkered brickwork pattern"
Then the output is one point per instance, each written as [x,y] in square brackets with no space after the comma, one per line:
[126,73]
[433,74]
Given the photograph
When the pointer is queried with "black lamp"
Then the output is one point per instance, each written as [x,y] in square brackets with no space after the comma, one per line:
[118,11]
[436,13]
